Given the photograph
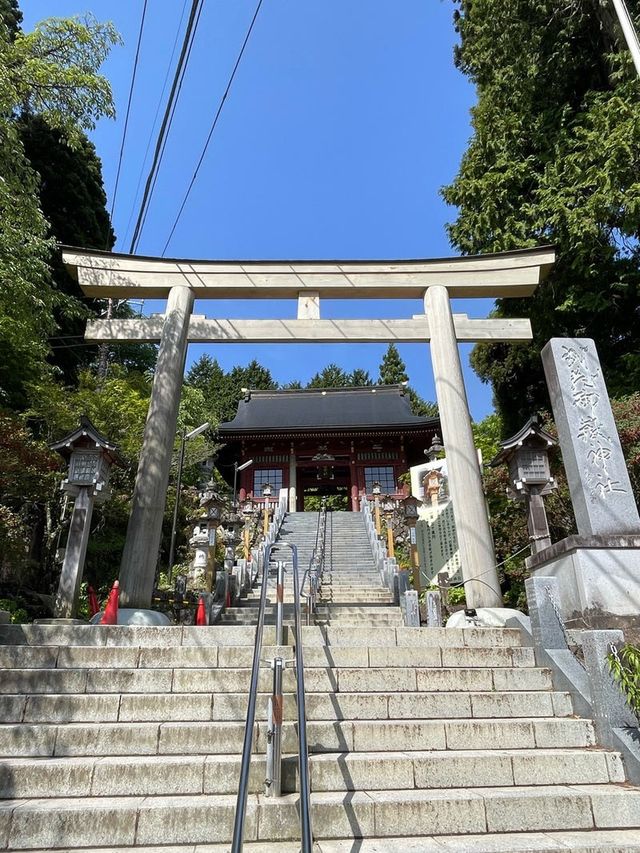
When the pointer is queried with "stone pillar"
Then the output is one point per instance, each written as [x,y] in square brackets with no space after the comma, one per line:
[601,492]
[140,554]
[292,480]
[71,576]
[465,481]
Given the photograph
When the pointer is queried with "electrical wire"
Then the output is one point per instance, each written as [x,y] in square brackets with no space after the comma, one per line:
[165,127]
[213,125]
[155,119]
[130,98]
[171,117]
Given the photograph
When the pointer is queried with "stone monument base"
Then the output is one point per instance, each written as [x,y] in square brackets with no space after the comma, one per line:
[598,577]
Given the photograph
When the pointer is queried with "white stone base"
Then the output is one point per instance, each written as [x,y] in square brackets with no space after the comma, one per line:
[486,617]
[131,616]
[596,581]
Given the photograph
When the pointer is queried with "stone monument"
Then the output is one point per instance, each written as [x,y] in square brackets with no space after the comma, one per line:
[598,569]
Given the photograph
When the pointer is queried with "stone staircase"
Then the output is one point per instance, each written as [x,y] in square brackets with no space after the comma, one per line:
[420,740]
[352,592]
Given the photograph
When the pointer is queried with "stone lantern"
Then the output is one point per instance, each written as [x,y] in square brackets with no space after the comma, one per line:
[527,455]
[249,511]
[233,523]
[376,491]
[89,456]
[388,507]
[410,506]
[204,533]
[432,486]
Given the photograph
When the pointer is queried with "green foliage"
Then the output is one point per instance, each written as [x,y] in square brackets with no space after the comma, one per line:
[625,668]
[392,368]
[456,596]
[27,481]
[331,377]
[18,614]
[51,72]
[11,16]
[487,435]
[223,391]
[393,371]
[554,158]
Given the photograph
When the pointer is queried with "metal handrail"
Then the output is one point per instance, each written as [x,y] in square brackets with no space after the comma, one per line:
[315,570]
[306,833]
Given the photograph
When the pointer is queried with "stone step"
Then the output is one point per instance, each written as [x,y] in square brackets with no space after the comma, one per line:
[224,635]
[205,819]
[328,731]
[185,657]
[192,707]
[336,680]
[579,841]
[411,637]
[373,771]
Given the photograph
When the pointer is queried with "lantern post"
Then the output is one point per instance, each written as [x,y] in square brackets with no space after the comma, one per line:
[90,457]
[376,490]
[388,507]
[410,507]
[204,534]
[527,455]
[266,494]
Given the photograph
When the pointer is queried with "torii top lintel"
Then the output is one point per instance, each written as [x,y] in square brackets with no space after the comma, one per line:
[503,274]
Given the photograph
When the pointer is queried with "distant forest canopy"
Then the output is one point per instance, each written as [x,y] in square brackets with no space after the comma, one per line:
[222,391]
[554,159]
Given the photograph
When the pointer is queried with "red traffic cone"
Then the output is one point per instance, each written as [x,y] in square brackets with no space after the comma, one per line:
[201,613]
[94,607]
[110,615]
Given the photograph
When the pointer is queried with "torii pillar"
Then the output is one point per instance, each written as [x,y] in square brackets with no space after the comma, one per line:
[482,588]
[140,554]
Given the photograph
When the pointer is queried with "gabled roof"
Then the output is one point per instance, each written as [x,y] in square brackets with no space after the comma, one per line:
[533,429]
[86,434]
[376,407]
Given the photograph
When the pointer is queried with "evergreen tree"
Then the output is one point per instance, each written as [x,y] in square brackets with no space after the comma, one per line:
[360,378]
[392,368]
[554,158]
[331,377]
[11,15]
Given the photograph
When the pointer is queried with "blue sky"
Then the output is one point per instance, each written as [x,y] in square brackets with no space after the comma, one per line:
[344,121]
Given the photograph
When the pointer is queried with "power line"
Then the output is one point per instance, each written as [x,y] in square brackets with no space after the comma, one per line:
[126,120]
[171,117]
[213,125]
[155,118]
[167,119]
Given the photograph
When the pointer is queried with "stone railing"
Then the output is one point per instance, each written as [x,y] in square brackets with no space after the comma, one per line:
[593,691]
[393,577]
[248,570]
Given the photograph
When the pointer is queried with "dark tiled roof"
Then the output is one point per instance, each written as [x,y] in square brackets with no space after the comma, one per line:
[336,408]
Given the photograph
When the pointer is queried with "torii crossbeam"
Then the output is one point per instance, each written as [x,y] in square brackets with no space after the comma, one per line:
[506,274]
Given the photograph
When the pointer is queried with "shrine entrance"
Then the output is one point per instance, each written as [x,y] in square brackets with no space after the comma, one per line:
[323,481]
[108,275]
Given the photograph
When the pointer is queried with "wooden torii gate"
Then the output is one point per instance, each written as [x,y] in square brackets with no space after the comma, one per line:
[507,274]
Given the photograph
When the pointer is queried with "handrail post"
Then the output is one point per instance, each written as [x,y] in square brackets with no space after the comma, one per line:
[273,782]
[280,604]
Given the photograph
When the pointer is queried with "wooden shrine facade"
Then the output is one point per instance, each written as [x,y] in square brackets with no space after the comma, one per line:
[324,442]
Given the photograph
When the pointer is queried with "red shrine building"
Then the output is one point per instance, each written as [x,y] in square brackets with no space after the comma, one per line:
[338,441]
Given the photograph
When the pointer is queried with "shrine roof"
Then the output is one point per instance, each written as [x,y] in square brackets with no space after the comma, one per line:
[372,407]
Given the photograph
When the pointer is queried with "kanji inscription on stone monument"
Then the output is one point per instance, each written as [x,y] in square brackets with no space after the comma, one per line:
[598,479]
